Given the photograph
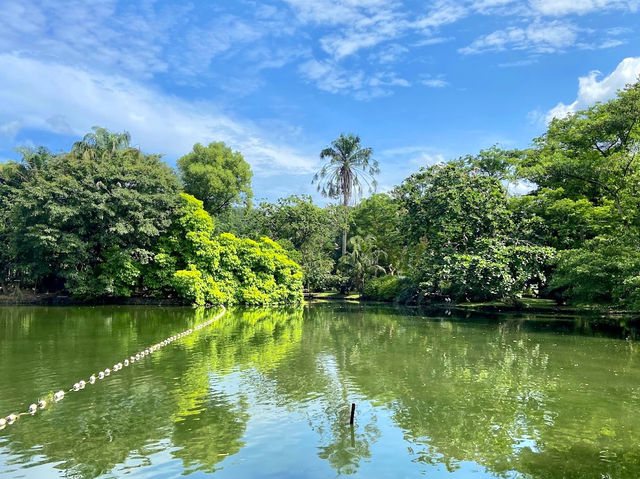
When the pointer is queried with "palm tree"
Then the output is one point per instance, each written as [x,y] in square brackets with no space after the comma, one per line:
[363,261]
[103,141]
[350,167]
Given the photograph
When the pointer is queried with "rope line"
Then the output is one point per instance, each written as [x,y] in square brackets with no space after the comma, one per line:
[102,374]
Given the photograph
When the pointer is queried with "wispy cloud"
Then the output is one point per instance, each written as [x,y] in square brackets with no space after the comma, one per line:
[582,7]
[330,77]
[519,63]
[434,81]
[71,101]
[539,37]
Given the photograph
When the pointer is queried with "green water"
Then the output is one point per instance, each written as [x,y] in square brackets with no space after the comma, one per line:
[266,393]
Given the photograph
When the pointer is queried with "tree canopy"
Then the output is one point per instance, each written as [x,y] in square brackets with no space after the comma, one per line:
[217,175]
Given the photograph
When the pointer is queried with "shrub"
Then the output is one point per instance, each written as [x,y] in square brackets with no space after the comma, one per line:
[210,269]
[385,288]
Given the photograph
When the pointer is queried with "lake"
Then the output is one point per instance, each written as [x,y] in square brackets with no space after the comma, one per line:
[266,393]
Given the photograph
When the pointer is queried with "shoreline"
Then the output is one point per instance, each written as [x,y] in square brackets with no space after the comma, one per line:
[535,306]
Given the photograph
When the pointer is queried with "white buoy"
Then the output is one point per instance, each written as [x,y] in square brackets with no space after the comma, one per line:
[76,387]
[33,408]
[82,384]
[107,372]
[58,396]
[42,404]
[126,363]
[92,379]
[101,375]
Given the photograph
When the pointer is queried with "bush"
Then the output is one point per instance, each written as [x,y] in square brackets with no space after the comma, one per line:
[495,272]
[210,269]
[386,288]
[603,271]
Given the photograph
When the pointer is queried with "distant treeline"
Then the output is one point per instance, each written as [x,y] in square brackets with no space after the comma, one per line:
[107,220]
[453,231]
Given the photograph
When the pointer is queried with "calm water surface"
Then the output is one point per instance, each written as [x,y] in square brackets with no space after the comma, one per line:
[266,393]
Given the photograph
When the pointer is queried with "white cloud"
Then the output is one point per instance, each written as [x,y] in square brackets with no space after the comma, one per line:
[443,12]
[538,37]
[86,32]
[581,7]
[329,76]
[71,101]
[434,82]
[519,63]
[141,39]
[592,90]
[389,54]
[368,23]
[432,41]
[415,156]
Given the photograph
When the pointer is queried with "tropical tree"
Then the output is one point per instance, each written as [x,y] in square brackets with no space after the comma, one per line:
[216,175]
[471,246]
[348,171]
[378,216]
[82,225]
[363,261]
[101,141]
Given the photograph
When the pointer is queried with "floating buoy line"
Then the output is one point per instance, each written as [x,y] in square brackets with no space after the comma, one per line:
[100,375]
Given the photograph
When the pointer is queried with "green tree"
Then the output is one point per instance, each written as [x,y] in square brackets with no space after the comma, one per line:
[471,247]
[76,220]
[495,162]
[592,153]
[450,207]
[587,201]
[102,141]
[348,171]
[604,270]
[378,216]
[216,175]
[363,260]
[307,228]
[204,268]
[12,177]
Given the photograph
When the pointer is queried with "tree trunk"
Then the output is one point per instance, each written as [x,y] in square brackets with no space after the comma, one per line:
[344,241]
[346,226]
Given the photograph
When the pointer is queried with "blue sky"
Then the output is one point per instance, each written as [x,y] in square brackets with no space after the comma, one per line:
[420,82]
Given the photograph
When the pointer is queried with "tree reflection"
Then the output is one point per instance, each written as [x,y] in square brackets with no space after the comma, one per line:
[509,395]
[495,394]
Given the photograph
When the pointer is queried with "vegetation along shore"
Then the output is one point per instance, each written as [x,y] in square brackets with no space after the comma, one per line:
[107,222]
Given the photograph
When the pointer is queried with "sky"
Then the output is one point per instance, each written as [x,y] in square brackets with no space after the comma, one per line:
[419,81]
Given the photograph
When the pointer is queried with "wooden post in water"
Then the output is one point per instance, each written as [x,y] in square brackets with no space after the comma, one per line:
[353,412]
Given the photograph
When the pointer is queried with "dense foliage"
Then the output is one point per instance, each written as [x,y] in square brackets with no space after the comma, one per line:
[217,175]
[86,220]
[106,219]
[212,269]
[470,246]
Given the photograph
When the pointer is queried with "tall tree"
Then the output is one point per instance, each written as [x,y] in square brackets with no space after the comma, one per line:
[216,175]
[348,170]
[84,221]
[101,141]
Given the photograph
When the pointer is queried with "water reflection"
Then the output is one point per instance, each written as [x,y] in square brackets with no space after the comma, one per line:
[266,393]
